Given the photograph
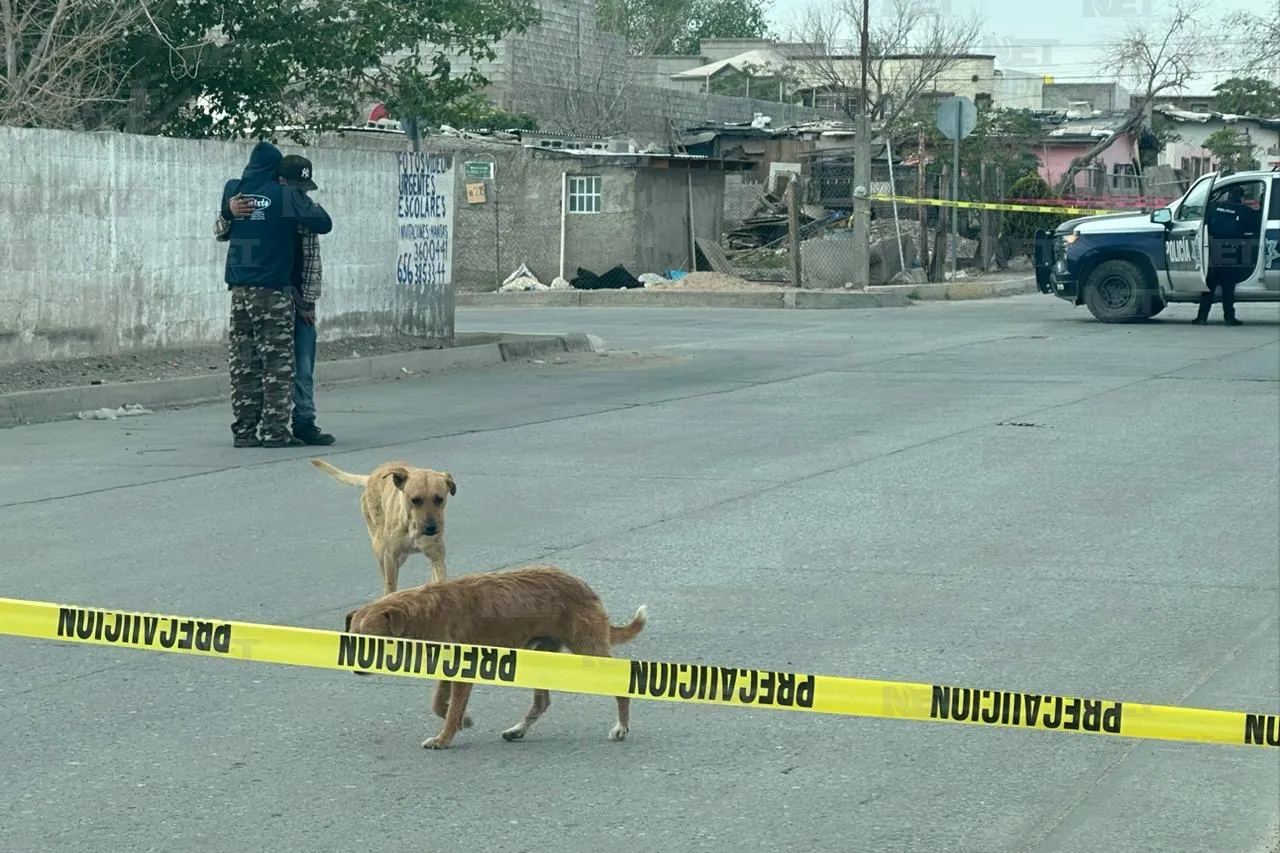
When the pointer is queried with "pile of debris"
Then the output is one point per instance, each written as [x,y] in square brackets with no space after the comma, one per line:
[617,278]
[524,279]
[718,274]
[767,225]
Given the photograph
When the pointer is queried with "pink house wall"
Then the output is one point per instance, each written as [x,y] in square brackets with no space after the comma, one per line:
[1056,157]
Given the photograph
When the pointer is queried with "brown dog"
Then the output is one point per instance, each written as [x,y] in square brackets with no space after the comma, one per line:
[536,607]
[403,507]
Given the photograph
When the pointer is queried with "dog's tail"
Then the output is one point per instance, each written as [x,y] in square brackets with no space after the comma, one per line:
[619,634]
[340,475]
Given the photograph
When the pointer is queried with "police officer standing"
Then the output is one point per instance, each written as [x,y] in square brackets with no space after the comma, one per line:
[1230,256]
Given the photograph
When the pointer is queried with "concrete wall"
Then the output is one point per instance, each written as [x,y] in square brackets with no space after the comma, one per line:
[1018,90]
[1266,143]
[108,244]
[899,74]
[662,226]
[657,71]
[1055,159]
[519,220]
[648,111]
[643,222]
[1108,97]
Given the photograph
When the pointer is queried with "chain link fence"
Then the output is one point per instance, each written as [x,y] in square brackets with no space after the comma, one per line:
[911,241]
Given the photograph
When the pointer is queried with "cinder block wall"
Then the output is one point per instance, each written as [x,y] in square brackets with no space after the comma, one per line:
[108,242]
[572,75]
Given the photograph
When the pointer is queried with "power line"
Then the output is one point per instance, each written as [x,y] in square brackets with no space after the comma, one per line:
[1099,45]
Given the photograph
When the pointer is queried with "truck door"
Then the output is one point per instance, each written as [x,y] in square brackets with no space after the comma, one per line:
[1186,240]
[1254,195]
[1271,241]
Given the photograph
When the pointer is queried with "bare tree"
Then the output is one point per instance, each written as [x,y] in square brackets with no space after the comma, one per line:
[59,57]
[909,50]
[1262,50]
[1154,58]
[592,94]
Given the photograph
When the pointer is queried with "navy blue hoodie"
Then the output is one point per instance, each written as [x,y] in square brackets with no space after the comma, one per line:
[261,250]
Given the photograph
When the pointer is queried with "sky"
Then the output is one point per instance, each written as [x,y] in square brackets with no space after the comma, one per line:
[1066,39]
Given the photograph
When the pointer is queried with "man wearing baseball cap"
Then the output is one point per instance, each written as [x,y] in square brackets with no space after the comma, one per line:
[296,171]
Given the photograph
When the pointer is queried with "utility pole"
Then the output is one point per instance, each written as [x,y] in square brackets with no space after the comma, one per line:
[862,172]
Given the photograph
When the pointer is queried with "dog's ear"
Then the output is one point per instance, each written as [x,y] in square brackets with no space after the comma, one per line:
[399,476]
[347,628]
[397,621]
[453,487]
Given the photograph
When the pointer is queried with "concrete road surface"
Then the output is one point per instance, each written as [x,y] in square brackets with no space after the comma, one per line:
[1003,493]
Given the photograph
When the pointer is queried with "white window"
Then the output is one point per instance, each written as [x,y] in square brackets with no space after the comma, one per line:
[584,193]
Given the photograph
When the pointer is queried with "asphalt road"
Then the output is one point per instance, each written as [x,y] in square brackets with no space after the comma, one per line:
[998,493]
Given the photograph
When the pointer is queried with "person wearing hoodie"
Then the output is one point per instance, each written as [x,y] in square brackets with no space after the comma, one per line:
[259,273]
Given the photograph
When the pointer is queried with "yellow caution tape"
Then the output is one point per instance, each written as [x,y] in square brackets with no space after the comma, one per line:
[665,681]
[985,205]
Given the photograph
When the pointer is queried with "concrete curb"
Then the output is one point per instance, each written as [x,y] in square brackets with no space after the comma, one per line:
[638,298]
[880,296]
[960,290]
[54,404]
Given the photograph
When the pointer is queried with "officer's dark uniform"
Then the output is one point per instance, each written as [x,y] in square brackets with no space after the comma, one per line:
[1231,256]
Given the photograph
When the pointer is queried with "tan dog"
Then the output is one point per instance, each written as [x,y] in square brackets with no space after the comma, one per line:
[403,507]
[536,607]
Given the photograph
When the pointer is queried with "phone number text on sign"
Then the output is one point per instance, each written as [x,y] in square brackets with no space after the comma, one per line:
[425,215]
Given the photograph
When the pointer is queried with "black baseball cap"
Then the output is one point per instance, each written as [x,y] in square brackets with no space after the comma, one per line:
[296,170]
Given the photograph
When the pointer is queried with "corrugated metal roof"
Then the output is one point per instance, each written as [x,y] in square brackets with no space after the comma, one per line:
[1176,114]
[750,61]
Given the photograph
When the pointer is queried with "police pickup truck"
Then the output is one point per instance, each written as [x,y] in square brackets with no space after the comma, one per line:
[1130,266]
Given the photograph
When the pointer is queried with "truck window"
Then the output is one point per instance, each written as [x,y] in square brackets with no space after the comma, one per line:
[1193,206]
[1273,213]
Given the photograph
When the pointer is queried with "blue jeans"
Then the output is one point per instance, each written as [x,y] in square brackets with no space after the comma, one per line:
[304,354]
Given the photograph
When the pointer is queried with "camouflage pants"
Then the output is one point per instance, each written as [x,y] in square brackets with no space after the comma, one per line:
[261,362]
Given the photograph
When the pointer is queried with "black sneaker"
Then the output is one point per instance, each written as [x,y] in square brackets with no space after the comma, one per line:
[312,434]
[247,441]
[1233,322]
[1200,321]
[287,441]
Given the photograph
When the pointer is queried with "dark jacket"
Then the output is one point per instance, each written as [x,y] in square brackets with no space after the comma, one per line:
[263,246]
[1233,242]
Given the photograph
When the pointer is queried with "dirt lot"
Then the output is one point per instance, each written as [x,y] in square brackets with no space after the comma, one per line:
[704,281]
[173,364]
[169,364]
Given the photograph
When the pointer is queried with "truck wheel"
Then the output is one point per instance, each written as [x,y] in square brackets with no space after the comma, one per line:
[1118,292]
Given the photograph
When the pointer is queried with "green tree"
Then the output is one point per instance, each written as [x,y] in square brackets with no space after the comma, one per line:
[675,27]
[1002,138]
[1232,148]
[1251,96]
[1019,227]
[224,68]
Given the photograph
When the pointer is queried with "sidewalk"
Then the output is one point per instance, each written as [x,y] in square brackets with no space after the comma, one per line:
[103,387]
[758,296]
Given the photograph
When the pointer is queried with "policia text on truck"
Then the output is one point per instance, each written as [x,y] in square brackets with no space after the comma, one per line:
[1222,235]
